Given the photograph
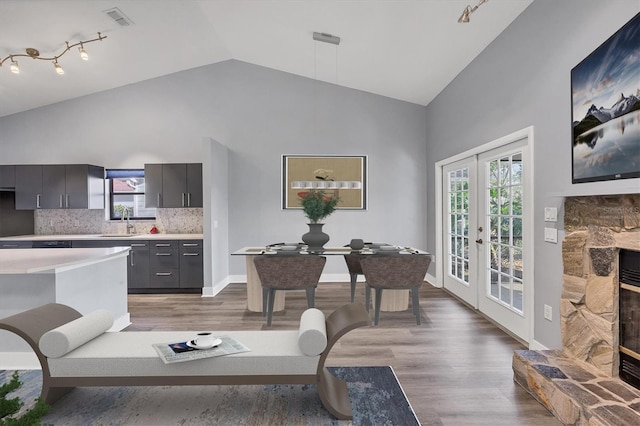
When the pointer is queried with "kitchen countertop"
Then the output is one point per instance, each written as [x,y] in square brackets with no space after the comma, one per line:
[17,261]
[103,237]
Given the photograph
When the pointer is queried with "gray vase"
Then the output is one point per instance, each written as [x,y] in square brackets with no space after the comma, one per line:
[315,238]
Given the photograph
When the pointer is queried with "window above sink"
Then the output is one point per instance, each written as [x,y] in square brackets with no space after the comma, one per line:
[126,195]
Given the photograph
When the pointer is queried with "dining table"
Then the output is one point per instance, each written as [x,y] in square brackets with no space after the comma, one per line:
[392,301]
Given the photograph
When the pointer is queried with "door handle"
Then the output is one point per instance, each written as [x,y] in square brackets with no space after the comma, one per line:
[479,241]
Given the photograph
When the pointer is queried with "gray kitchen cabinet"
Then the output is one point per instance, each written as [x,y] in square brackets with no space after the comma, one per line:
[138,271]
[191,264]
[194,185]
[57,186]
[7,176]
[155,266]
[152,185]
[28,186]
[164,264]
[173,185]
[72,186]
[15,244]
[53,187]
[138,265]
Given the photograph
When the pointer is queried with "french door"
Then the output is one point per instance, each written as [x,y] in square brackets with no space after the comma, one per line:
[486,237]
[460,216]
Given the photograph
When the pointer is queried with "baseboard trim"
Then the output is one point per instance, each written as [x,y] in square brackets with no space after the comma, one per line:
[537,346]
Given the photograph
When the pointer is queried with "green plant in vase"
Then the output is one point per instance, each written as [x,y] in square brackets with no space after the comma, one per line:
[317,204]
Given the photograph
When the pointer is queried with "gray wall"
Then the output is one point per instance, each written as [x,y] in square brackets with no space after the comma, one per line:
[258,114]
[523,79]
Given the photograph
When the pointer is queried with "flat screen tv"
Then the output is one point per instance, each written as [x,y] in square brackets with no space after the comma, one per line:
[605,92]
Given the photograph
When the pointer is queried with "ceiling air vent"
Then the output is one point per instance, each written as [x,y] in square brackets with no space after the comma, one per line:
[120,18]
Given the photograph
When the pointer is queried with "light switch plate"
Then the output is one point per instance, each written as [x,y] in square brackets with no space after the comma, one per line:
[551,235]
[548,313]
[550,214]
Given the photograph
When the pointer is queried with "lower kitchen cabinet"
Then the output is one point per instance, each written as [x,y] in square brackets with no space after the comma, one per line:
[159,266]
[164,264]
[138,265]
[138,270]
[191,264]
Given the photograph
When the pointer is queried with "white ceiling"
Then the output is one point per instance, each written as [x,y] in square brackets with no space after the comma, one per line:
[404,49]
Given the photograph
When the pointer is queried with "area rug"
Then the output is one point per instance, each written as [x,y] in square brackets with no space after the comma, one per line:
[376,399]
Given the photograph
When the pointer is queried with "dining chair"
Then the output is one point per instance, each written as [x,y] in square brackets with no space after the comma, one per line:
[290,272]
[400,272]
[353,265]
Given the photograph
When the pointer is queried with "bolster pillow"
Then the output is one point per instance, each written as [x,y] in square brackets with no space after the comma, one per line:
[62,340]
[312,337]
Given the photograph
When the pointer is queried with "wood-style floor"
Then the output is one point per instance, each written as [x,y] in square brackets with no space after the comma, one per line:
[455,367]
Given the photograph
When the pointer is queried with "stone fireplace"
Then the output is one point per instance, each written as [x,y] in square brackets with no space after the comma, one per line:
[580,383]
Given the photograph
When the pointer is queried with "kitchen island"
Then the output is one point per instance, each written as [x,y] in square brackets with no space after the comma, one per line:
[84,278]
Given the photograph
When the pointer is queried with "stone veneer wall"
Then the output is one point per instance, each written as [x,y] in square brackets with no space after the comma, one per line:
[596,227]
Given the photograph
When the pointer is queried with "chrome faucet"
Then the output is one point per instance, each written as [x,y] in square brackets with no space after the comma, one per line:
[126,214]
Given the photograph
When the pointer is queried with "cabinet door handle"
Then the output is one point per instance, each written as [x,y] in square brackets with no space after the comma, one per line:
[183,199]
[60,200]
[163,245]
[189,199]
[189,244]
[163,254]
[10,245]
[67,201]
[131,258]
[191,254]
[163,274]
[37,201]
[158,203]
[138,245]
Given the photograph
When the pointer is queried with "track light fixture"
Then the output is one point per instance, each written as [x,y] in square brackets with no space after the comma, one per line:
[464,18]
[35,54]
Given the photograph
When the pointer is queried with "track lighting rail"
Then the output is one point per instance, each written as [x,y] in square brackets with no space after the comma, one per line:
[35,54]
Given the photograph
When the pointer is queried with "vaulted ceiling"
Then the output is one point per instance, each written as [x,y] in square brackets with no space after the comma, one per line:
[404,49]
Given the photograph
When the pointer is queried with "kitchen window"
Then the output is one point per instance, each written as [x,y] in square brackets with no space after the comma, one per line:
[126,195]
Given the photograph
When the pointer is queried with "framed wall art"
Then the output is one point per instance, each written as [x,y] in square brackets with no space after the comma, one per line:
[344,176]
[605,92]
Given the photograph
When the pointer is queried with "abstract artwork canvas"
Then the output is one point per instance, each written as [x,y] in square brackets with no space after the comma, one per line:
[605,91]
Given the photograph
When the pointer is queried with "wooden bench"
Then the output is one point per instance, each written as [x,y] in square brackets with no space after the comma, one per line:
[128,358]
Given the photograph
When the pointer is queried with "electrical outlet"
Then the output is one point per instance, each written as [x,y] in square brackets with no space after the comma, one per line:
[548,314]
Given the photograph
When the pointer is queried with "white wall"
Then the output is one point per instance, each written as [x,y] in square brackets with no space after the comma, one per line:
[523,79]
[258,114]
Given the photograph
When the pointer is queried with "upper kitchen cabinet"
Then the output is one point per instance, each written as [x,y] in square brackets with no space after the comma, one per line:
[53,186]
[173,185]
[7,176]
[28,187]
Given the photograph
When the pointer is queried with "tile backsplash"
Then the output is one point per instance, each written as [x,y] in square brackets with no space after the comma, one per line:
[70,221]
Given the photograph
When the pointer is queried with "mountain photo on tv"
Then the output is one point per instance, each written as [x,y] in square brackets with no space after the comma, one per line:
[605,92]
